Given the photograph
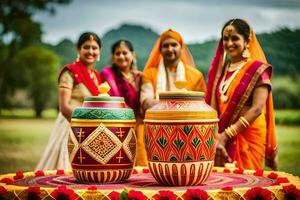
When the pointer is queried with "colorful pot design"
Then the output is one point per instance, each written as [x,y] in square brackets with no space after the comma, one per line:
[102,143]
[180,138]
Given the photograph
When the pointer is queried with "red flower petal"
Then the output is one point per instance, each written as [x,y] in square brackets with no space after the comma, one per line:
[258,193]
[259,172]
[60,172]
[272,175]
[192,194]
[114,195]
[136,195]
[33,193]
[92,187]
[34,189]
[19,175]
[266,194]
[226,170]
[135,171]
[238,171]
[164,195]
[288,188]
[62,192]
[39,173]
[7,181]
[2,190]
[227,188]
[146,171]
[291,192]
[280,180]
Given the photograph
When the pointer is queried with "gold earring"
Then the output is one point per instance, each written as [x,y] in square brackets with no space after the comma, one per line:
[246,54]
[78,57]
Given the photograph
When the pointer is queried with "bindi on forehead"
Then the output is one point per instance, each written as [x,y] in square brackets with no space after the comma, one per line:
[91,38]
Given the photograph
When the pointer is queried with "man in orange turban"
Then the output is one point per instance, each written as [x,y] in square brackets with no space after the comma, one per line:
[169,61]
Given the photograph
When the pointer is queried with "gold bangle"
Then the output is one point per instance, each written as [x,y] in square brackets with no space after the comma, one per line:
[233,130]
[245,121]
[229,133]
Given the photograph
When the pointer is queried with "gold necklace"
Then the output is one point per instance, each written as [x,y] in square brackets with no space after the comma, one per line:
[224,85]
[128,76]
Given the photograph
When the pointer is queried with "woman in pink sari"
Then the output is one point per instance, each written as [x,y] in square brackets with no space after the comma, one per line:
[240,90]
[124,81]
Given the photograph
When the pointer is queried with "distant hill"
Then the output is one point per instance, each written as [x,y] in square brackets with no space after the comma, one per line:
[202,54]
[142,39]
[282,48]
[66,50]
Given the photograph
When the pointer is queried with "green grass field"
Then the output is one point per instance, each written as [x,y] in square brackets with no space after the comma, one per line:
[23,140]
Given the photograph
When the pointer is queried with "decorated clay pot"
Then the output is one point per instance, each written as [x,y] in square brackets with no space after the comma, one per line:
[102,143]
[180,138]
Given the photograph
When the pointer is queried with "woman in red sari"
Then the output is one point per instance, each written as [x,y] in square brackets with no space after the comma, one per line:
[124,81]
[76,81]
[239,88]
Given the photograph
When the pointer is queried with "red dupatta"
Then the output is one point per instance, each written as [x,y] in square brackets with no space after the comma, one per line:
[81,75]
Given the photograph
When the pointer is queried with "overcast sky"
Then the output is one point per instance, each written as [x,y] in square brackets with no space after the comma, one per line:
[196,20]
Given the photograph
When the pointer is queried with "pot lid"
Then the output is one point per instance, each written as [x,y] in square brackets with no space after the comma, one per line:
[104,107]
[181,94]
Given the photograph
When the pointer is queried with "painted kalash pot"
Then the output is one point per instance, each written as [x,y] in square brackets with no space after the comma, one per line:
[180,138]
[102,143]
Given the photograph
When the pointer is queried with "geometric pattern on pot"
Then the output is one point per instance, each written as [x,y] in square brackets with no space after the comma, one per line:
[129,144]
[101,144]
[182,105]
[73,145]
[103,113]
[180,142]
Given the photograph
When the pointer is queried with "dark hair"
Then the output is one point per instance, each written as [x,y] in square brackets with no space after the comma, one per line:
[86,36]
[241,26]
[119,42]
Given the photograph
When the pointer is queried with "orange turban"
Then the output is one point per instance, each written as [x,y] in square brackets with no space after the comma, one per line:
[172,34]
[155,56]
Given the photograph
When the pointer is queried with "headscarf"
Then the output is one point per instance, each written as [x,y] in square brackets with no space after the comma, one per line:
[215,72]
[155,56]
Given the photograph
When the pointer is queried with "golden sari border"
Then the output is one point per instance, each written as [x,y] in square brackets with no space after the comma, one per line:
[248,92]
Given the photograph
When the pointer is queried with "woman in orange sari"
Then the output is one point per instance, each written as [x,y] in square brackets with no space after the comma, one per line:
[240,90]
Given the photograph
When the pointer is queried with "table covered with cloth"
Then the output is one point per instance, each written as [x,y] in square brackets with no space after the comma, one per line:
[223,183]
